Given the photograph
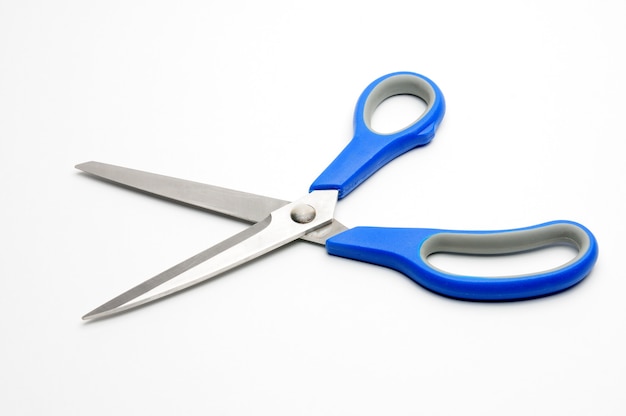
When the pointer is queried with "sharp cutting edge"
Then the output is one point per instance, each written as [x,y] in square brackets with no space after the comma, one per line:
[244,206]
[281,227]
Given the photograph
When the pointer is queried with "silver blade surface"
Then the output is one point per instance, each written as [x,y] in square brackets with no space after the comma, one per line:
[132,298]
[283,226]
[237,204]
[241,205]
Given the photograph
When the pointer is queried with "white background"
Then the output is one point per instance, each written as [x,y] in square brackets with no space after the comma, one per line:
[258,96]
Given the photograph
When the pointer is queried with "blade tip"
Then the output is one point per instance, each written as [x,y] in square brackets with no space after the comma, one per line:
[97,314]
[81,166]
[89,316]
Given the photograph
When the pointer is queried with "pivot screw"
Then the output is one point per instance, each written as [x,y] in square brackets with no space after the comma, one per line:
[303,214]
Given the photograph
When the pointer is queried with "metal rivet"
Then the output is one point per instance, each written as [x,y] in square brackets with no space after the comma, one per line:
[303,214]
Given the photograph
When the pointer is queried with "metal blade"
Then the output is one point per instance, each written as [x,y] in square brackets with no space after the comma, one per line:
[320,235]
[132,298]
[237,204]
[284,225]
[241,205]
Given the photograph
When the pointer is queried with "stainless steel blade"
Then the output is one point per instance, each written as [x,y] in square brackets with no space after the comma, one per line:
[125,300]
[320,235]
[240,205]
[284,225]
[237,204]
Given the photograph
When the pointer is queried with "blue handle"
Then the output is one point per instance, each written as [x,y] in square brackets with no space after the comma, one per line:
[407,250]
[368,151]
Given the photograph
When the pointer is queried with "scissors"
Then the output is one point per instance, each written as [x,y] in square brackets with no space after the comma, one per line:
[276,223]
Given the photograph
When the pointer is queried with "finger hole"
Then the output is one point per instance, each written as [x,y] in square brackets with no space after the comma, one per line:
[504,265]
[396,113]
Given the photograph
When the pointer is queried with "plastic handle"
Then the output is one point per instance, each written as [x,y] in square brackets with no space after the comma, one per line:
[368,151]
[407,250]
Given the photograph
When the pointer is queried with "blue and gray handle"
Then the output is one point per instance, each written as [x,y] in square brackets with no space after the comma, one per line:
[407,249]
[369,151]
